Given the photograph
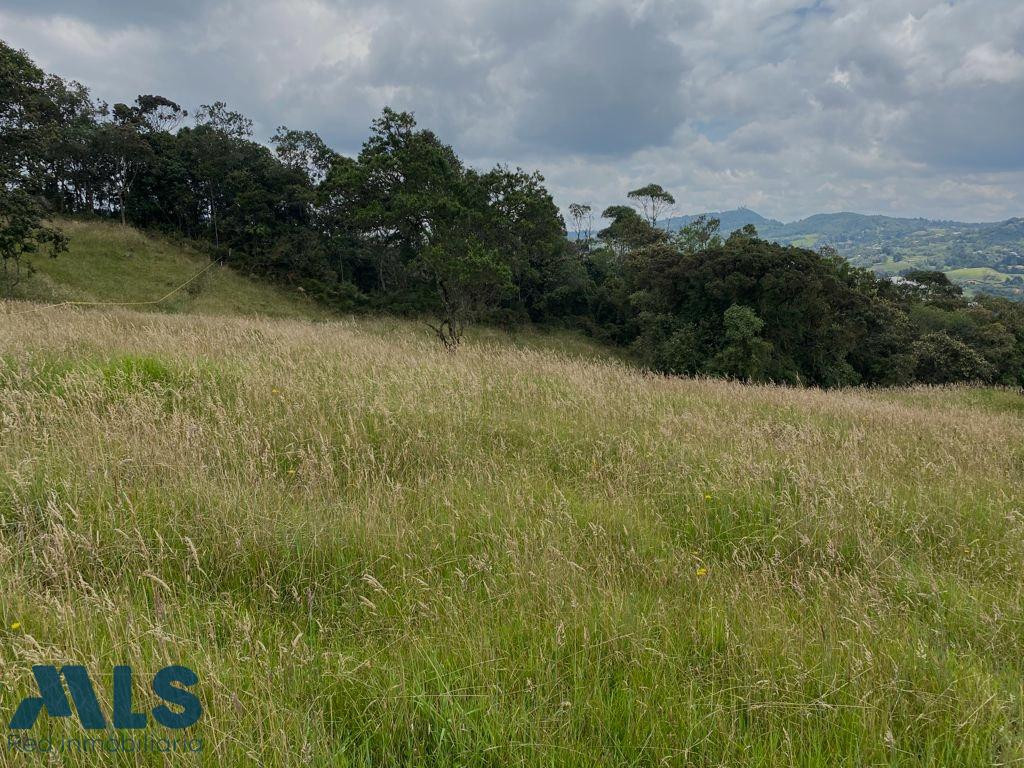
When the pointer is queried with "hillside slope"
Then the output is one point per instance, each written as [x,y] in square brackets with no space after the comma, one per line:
[374,552]
[108,263]
[982,257]
[110,267]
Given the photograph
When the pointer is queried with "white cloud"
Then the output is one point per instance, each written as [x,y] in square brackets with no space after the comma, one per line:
[984,63]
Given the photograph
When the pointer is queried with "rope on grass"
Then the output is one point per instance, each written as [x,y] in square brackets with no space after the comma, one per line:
[166,296]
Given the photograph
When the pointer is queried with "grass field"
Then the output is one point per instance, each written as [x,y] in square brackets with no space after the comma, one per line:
[108,263]
[374,553]
[980,274]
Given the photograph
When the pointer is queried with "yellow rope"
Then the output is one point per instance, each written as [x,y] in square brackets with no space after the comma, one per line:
[166,296]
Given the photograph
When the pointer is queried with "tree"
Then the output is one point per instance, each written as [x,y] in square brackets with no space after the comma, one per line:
[25,114]
[941,359]
[699,235]
[665,344]
[219,118]
[151,113]
[124,145]
[63,166]
[468,279]
[581,214]
[511,212]
[215,141]
[653,201]
[442,239]
[215,149]
[816,313]
[305,151]
[409,185]
[126,153]
[1008,317]
[932,286]
[746,355]
[627,231]
[24,105]
[744,234]
[23,231]
[407,227]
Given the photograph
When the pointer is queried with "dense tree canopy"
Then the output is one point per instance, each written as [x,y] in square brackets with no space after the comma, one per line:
[30,119]
[406,226]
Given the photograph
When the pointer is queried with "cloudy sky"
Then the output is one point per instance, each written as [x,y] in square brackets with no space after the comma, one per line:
[903,107]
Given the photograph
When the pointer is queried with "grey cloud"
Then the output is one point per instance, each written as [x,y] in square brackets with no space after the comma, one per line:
[971,128]
[789,106]
[608,85]
[114,12]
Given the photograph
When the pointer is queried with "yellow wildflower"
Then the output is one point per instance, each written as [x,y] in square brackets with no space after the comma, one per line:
[702,571]
[16,626]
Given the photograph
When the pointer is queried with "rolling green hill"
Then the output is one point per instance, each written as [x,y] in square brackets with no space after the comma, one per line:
[108,263]
[891,245]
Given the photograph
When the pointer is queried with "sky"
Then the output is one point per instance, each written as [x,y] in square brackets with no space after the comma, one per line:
[789,107]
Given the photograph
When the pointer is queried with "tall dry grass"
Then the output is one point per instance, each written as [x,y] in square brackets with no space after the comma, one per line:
[377,553]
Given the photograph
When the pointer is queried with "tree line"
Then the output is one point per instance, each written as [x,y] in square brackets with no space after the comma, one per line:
[406,227]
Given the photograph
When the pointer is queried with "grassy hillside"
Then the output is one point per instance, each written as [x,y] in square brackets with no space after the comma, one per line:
[108,263]
[982,257]
[111,265]
[376,553]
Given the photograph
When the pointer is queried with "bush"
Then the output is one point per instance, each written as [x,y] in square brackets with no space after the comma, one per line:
[941,359]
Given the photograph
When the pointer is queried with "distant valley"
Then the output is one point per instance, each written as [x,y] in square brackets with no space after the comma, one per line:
[982,257]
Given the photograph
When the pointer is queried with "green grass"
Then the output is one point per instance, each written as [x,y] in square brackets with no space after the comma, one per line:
[807,241]
[982,274]
[108,263]
[973,279]
[377,553]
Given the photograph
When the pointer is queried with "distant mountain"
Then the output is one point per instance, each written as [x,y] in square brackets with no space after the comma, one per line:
[983,257]
[730,221]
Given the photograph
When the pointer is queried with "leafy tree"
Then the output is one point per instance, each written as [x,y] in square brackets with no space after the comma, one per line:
[23,117]
[699,235]
[653,201]
[746,355]
[814,311]
[627,231]
[746,233]
[1008,317]
[942,359]
[150,113]
[24,105]
[125,154]
[217,117]
[932,286]
[217,145]
[582,219]
[409,188]
[65,168]
[666,344]
[305,151]
[23,231]
[469,279]
[512,212]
